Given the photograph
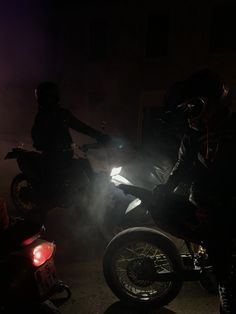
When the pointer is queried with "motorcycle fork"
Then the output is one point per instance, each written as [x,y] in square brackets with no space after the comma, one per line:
[190,260]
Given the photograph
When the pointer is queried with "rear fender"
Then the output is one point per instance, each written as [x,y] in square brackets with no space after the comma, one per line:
[133,206]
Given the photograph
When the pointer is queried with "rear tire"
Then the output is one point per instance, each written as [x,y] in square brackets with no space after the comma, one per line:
[23,195]
[129,247]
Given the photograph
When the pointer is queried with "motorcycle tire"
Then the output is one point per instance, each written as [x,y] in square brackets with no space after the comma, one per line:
[23,197]
[124,245]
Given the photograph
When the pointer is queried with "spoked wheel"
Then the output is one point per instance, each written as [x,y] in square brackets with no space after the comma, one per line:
[131,261]
[22,194]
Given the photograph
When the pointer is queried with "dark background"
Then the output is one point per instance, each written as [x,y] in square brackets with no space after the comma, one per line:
[111,59]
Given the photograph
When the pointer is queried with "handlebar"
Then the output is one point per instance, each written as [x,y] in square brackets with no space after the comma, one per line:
[115,143]
[86,147]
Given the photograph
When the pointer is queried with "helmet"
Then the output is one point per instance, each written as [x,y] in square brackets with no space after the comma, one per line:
[47,95]
[202,96]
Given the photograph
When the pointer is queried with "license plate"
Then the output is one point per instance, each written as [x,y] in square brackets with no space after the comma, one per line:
[46,277]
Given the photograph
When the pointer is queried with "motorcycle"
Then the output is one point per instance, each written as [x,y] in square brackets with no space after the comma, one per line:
[95,190]
[142,265]
[91,196]
[28,276]
[29,188]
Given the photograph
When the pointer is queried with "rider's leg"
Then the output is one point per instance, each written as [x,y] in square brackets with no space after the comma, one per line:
[219,247]
[83,164]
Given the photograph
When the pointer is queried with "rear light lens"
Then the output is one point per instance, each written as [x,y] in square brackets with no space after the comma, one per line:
[42,253]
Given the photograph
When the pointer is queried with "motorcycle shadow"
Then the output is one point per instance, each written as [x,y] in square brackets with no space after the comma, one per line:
[121,308]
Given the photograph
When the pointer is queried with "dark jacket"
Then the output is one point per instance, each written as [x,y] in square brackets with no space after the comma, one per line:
[206,161]
[50,132]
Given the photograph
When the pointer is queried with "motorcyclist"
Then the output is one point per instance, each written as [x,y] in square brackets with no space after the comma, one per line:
[51,132]
[206,162]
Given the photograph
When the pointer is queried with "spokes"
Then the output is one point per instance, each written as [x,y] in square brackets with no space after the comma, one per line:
[133,260]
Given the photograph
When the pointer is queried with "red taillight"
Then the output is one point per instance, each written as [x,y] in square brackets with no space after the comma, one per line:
[42,253]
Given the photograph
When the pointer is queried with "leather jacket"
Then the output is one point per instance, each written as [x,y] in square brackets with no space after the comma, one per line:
[206,162]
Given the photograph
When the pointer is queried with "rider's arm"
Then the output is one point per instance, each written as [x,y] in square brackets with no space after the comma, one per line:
[181,171]
[81,127]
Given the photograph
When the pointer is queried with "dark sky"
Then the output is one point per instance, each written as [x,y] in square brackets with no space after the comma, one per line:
[48,40]
[26,32]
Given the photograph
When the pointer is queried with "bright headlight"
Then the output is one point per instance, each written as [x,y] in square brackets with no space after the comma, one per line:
[117,180]
[115,171]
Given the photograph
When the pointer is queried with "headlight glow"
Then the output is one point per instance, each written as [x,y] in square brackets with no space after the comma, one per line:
[117,180]
[115,171]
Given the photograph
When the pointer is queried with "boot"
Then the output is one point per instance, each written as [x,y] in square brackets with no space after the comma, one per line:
[227,298]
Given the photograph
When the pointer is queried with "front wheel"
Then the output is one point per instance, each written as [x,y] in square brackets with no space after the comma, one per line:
[131,255]
[23,194]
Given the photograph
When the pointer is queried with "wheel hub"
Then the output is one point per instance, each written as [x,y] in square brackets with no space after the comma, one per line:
[141,271]
[26,194]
